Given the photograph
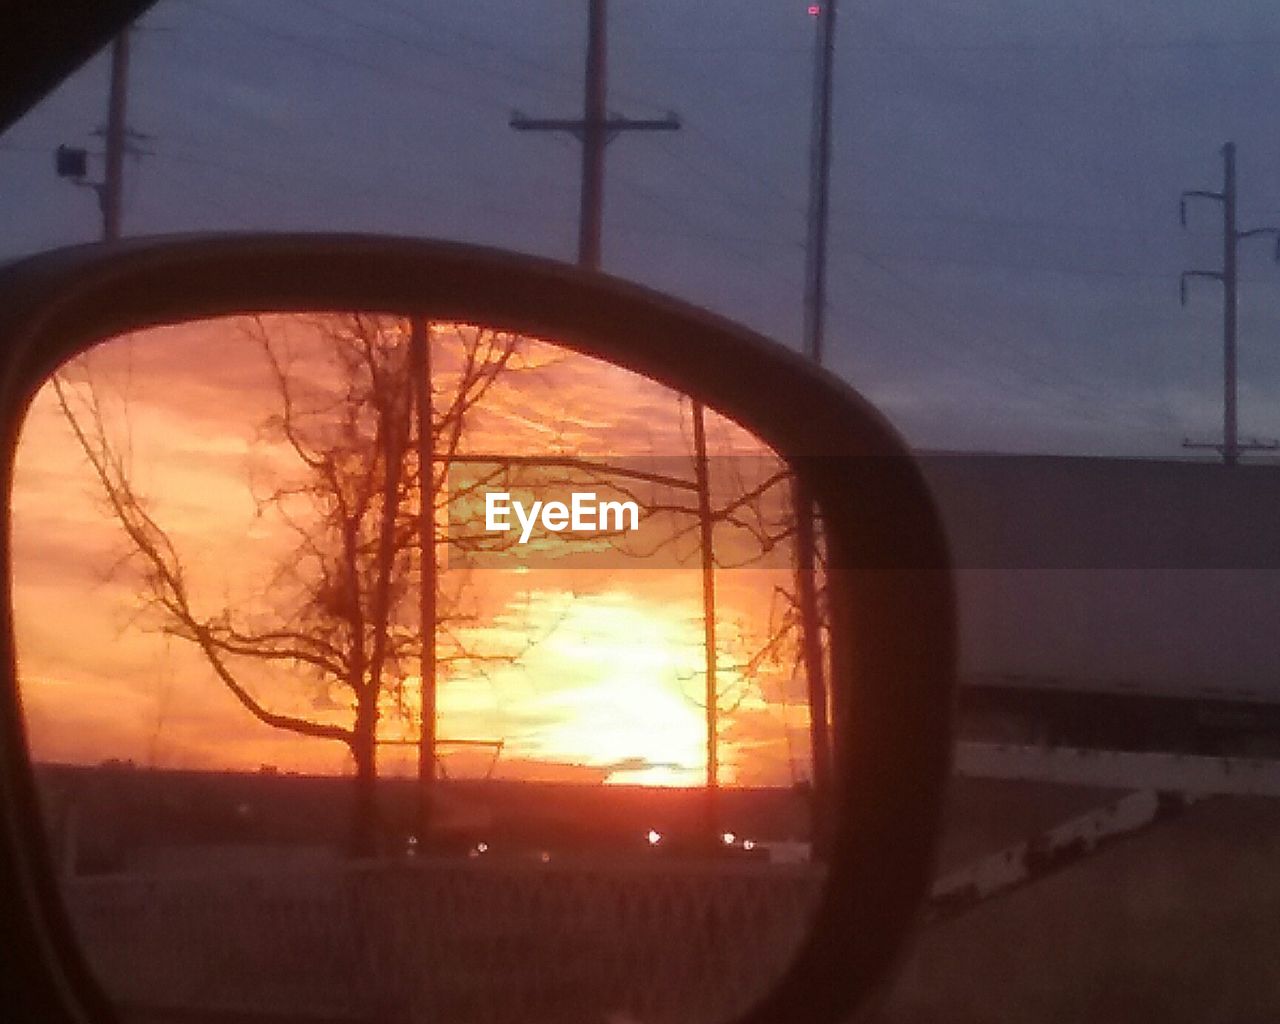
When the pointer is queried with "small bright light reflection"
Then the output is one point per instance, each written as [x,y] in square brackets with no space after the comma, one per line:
[814,10]
[729,838]
[748,844]
[546,857]
[482,847]
[654,837]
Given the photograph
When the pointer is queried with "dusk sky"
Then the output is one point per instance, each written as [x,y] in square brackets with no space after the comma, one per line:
[1005,241]
[585,668]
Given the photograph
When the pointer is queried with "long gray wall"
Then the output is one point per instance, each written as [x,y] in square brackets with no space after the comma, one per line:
[1147,576]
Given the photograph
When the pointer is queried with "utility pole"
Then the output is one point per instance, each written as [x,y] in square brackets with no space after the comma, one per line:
[1231,445]
[815,270]
[712,689]
[594,130]
[824,14]
[72,161]
[420,374]
[112,193]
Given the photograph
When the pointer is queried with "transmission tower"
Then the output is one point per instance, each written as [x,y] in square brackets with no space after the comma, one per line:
[1231,445]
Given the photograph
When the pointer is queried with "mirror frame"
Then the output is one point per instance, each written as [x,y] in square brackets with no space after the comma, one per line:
[892,605]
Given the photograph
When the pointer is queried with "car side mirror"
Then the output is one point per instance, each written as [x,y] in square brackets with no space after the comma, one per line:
[405,631]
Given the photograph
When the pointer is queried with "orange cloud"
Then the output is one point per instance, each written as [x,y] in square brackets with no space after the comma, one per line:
[597,672]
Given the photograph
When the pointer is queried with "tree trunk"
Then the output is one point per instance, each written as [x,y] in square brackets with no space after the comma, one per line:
[364,748]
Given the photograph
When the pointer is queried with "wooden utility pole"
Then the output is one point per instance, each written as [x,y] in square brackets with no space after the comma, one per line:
[420,374]
[591,201]
[1231,446]
[712,690]
[594,130]
[815,272]
[813,656]
[73,161]
[111,191]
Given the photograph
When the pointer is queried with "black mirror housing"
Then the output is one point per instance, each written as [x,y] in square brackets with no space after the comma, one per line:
[892,609]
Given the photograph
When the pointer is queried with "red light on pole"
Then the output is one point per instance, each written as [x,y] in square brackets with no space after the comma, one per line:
[814,10]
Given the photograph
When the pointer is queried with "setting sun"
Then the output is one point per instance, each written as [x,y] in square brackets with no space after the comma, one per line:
[623,697]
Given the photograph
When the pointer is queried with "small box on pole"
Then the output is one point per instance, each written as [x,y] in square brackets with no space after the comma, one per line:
[71,162]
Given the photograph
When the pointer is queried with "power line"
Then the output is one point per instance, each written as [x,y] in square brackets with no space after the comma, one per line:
[417,42]
[718,190]
[931,259]
[476,42]
[738,161]
[506,53]
[1020,267]
[201,195]
[285,185]
[1050,378]
[311,46]
[1053,377]
[698,48]
[680,215]
[714,234]
[895,44]
[1069,46]
[688,219]
[1038,225]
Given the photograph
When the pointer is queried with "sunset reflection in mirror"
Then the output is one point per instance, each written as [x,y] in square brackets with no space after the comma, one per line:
[217,568]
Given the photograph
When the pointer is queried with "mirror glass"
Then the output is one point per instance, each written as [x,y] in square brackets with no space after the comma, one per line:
[379,669]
